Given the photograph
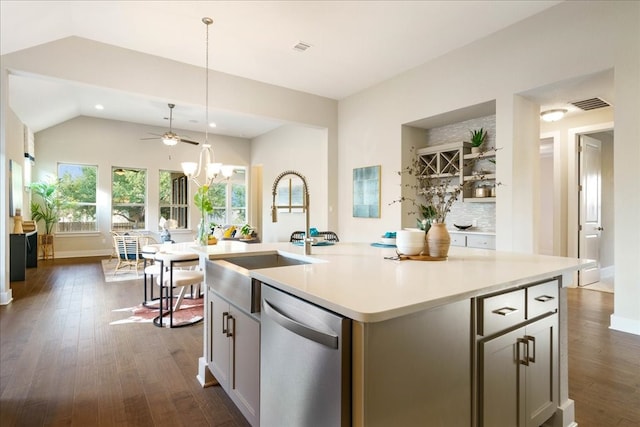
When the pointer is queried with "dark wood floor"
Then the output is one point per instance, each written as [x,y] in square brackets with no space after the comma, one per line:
[604,365]
[61,363]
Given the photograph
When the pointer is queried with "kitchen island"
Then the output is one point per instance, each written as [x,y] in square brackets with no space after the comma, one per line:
[442,343]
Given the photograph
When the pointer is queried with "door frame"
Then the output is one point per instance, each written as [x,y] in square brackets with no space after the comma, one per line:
[573,178]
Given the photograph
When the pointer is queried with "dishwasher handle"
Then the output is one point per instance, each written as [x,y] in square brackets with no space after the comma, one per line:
[329,340]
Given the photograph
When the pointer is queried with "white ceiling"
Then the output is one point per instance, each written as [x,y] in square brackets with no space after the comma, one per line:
[355,45]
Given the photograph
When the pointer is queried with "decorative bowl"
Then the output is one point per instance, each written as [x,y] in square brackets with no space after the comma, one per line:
[410,242]
[388,241]
[462,227]
[410,250]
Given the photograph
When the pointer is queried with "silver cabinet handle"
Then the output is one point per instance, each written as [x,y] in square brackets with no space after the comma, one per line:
[505,311]
[544,298]
[225,322]
[306,331]
[525,342]
[231,319]
[531,339]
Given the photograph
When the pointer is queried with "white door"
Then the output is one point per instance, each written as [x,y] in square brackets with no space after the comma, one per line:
[590,207]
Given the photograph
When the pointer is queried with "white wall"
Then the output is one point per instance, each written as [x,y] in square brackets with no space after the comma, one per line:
[11,149]
[107,144]
[579,38]
[304,150]
[547,185]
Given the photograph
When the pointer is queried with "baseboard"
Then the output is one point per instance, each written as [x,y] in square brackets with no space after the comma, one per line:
[6,297]
[607,272]
[82,254]
[623,324]
[564,416]
[205,377]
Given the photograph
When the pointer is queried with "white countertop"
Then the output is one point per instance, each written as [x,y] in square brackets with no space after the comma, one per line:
[354,279]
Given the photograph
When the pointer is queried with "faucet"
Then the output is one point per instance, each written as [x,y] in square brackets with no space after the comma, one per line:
[308,240]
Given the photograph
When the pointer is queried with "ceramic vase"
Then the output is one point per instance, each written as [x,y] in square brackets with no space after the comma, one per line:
[438,240]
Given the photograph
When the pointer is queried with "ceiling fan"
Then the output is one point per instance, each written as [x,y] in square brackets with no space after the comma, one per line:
[171,138]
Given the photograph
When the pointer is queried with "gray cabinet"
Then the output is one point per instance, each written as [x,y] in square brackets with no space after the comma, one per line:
[482,241]
[518,357]
[413,370]
[234,355]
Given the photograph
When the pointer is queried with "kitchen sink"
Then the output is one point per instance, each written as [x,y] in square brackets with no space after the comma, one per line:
[230,278]
[253,262]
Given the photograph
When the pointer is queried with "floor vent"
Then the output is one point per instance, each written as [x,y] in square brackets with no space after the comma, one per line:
[591,104]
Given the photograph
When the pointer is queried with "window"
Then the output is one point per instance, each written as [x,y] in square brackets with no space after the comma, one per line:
[229,199]
[174,200]
[128,197]
[77,187]
[290,195]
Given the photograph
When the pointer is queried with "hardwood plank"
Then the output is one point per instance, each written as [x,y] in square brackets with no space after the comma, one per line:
[62,363]
[604,365]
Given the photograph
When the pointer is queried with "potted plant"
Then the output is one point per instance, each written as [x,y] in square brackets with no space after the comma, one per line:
[246,231]
[477,139]
[47,209]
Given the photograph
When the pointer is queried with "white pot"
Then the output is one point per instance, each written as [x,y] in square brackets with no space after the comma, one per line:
[410,242]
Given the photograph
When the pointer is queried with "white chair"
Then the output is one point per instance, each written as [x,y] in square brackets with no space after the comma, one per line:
[128,252]
[151,269]
[177,270]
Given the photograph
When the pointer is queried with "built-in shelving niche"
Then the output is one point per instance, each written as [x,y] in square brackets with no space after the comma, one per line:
[446,129]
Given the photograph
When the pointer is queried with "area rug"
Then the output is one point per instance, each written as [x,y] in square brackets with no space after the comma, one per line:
[191,311]
[108,268]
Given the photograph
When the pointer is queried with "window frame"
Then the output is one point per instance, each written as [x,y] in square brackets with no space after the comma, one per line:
[228,207]
[134,204]
[179,204]
[96,227]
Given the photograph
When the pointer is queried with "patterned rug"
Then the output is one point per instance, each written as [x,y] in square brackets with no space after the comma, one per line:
[110,275]
[191,311]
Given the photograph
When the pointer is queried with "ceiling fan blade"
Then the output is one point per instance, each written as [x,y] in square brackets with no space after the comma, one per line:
[155,134]
[189,142]
[155,137]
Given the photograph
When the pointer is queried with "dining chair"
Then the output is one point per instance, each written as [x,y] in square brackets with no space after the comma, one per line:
[329,236]
[177,270]
[128,252]
[297,236]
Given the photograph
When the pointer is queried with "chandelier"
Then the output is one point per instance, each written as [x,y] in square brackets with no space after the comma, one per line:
[206,160]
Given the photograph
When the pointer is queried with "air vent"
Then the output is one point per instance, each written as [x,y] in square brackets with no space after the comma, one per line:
[590,104]
[301,46]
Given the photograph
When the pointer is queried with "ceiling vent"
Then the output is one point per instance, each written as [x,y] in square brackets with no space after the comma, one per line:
[591,104]
[301,46]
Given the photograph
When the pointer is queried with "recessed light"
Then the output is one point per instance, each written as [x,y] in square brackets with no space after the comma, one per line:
[99,107]
[212,125]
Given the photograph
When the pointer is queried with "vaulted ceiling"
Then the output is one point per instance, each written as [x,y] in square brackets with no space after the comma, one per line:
[353,45]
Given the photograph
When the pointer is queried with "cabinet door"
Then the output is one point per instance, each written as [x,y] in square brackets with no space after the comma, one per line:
[458,239]
[244,386]
[541,398]
[481,241]
[220,360]
[499,380]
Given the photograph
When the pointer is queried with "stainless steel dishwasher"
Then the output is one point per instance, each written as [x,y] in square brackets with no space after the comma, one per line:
[305,363]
